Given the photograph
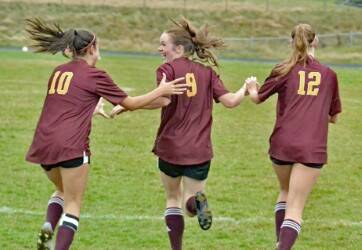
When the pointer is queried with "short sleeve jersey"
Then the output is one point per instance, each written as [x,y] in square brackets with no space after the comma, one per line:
[307,96]
[64,126]
[184,135]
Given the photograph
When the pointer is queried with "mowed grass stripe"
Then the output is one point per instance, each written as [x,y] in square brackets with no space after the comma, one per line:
[123,217]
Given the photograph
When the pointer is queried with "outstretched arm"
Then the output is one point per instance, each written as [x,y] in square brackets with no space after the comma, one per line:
[152,100]
[164,88]
[158,103]
[232,100]
[155,104]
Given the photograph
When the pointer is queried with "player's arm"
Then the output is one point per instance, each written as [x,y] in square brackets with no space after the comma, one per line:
[163,89]
[99,110]
[252,86]
[232,100]
[333,119]
[155,104]
[158,103]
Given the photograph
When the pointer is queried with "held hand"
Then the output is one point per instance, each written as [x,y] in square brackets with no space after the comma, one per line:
[252,84]
[99,110]
[245,89]
[170,88]
[117,110]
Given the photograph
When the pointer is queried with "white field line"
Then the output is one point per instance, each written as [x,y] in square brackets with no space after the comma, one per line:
[254,220]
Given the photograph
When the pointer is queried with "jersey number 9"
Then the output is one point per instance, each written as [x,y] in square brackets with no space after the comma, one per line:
[191,83]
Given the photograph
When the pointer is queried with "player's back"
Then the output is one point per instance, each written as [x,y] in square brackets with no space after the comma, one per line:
[184,133]
[65,121]
[306,98]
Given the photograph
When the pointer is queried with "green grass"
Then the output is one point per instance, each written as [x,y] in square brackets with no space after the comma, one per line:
[127,27]
[124,180]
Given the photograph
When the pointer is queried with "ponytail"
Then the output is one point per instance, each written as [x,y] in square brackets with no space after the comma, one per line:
[50,38]
[195,41]
[302,36]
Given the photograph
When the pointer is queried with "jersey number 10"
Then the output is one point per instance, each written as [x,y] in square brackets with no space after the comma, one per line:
[315,81]
[62,83]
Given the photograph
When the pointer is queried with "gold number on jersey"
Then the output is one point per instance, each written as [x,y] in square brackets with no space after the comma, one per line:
[63,83]
[191,82]
[313,83]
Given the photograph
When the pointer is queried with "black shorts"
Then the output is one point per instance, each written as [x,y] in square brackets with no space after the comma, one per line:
[197,171]
[73,163]
[280,162]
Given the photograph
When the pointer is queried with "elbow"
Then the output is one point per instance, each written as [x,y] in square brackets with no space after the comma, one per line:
[130,106]
[165,102]
[333,119]
[255,100]
[231,103]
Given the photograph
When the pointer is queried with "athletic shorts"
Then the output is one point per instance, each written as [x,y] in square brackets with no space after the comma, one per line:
[280,162]
[197,171]
[73,163]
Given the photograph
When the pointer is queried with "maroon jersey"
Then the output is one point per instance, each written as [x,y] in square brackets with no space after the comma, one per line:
[65,122]
[184,135]
[306,97]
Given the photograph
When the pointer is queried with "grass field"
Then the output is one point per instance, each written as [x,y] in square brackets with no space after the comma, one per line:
[124,201]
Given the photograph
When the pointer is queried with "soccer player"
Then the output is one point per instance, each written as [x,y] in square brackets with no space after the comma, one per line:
[308,99]
[61,140]
[183,143]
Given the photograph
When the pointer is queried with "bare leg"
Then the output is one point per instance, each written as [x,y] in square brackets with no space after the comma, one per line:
[283,174]
[54,210]
[74,183]
[302,180]
[173,214]
[191,187]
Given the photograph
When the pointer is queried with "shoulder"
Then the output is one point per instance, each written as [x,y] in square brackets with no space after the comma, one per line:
[166,67]
[97,73]
[327,71]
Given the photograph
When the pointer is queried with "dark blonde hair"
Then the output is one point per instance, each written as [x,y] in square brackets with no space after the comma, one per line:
[50,38]
[303,35]
[195,40]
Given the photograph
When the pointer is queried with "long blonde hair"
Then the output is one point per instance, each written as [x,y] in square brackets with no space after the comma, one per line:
[195,40]
[303,35]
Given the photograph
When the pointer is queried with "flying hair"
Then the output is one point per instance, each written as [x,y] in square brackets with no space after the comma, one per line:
[51,38]
[195,41]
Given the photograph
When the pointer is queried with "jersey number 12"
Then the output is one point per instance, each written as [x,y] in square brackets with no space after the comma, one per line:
[313,83]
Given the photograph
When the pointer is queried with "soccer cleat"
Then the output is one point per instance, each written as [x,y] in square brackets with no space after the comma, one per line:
[203,211]
[45,237]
